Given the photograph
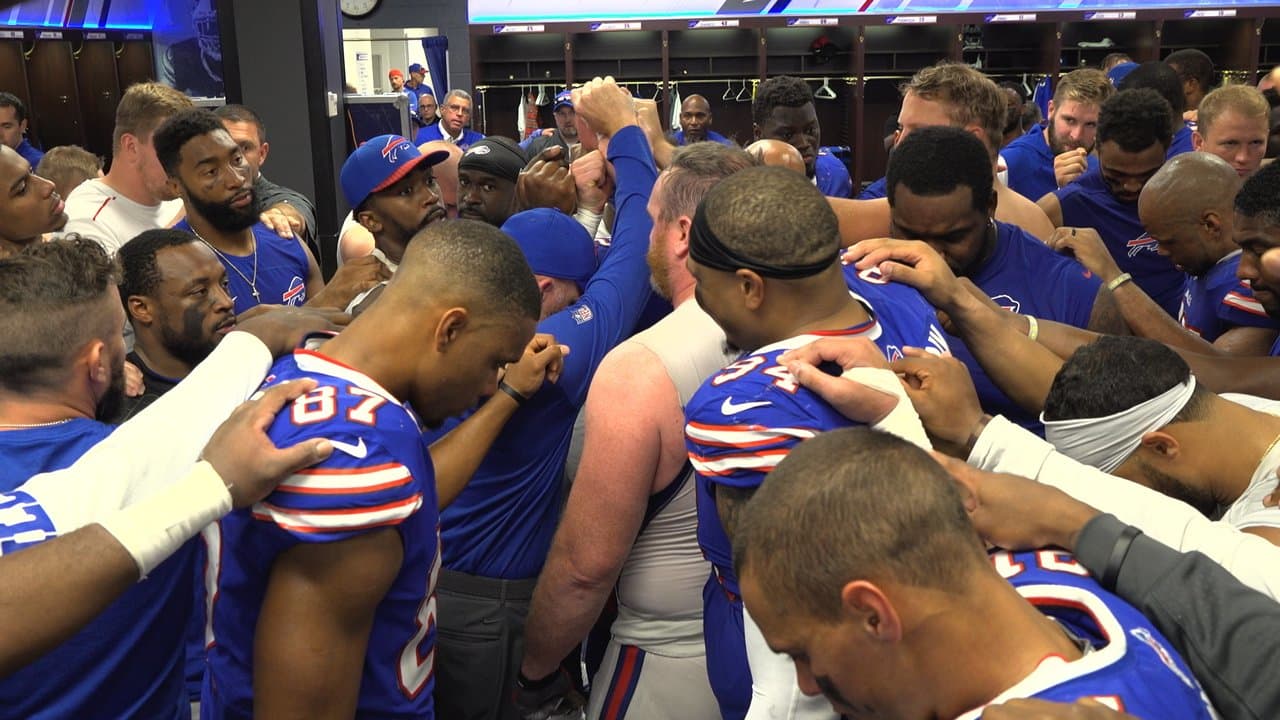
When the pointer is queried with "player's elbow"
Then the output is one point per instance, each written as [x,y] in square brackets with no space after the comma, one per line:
[592,572]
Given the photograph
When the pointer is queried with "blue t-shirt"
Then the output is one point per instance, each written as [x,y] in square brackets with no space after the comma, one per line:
[743,421]
[1088,202]
[831,175]
[1219,301]
[30,153]
[127,662]
[1131,666]
[1024,276]
[712,136]
[278,268]
[1029,161]
[1181,142]
[433,132]
[875,190]
[501,525]
[378,476]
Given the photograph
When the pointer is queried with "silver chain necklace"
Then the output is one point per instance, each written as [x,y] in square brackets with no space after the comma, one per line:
[253,283]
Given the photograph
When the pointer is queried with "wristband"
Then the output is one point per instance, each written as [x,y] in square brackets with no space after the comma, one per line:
[155,527]
[1033,327]
[1118,281]
[1118,553]
[589,219]
[539,684]
[902,420]
[515,394]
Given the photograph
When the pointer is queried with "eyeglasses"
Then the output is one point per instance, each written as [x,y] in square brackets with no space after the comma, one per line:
[460,109]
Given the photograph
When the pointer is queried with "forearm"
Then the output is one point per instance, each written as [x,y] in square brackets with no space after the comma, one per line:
[1147,319]
[636,173]
[1249,375]
[860,219]
[457,455]
[565,606]
[1202,610]
[1021,367]
[50,591]
[1006,448]
[1063,340]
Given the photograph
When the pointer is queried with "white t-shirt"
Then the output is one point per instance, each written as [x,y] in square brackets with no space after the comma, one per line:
[1248,510]
[95,210]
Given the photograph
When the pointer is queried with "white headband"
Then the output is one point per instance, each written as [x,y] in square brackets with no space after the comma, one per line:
[1106,442]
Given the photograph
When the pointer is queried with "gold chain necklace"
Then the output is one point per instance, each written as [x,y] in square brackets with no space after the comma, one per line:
[35,425]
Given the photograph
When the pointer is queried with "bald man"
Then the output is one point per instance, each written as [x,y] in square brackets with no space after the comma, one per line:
[776,152]
[1186,208]
[695,123]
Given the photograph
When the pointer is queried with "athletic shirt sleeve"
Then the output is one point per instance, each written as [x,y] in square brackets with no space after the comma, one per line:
[740,425]
[361,486]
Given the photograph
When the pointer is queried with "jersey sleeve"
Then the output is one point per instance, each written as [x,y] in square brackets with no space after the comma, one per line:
[1239,308]
[1075,293]
[360,487]
[740,447]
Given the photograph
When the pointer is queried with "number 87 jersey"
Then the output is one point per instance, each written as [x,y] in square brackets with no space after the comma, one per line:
[378,476]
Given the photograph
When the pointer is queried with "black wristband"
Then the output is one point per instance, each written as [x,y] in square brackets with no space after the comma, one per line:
[515,394]
[539,684]
[1118,553]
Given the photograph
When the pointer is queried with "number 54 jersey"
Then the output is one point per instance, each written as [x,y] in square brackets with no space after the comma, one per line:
[378,476]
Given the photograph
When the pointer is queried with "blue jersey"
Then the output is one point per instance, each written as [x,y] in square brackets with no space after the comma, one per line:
[875,190]
[1218,301]
[433,132]
[127,662]
[1129,665]
[1181,143]
[30,153]
[712,136]
[278,268]
[831,175]
[1024,276]
[743,421]
[1088,203]
[378,476]
[501,525]
[1029,161]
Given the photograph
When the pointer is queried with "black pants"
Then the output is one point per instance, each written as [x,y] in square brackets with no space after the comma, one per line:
[479,644]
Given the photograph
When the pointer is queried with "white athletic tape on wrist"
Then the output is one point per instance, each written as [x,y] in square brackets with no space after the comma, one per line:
[1106,442]
[154,528]
[902,420]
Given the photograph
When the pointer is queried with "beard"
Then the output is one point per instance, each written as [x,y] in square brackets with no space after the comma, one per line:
[1197,498]
[109,405]
[659,272]
[1056,145]
[191,345]
[223,216]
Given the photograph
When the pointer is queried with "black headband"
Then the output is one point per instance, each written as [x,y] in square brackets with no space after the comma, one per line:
[707,250]
[494,157]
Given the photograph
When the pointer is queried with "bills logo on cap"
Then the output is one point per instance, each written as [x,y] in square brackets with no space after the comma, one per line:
[394,145]
[480,150]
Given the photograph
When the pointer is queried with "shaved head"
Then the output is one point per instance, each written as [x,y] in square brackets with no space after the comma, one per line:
[1191,183]
[776,152]
[695,118]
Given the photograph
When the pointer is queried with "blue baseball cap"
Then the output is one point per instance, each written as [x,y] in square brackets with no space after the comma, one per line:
[1118,73]
[564,98]
[379,163]
[417,67]
[554,244]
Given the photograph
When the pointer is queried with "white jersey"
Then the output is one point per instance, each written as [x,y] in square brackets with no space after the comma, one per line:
[660,586]
[1248,510]
[96,211]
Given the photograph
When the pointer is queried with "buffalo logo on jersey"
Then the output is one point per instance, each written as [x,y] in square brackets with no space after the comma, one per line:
[395,144]
[1144,635]
[893,353]
[1008,303]
[873,276]
[296,295]
[1138,244]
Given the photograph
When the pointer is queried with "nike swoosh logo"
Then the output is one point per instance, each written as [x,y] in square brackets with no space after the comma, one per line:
[358,451]
[729,408]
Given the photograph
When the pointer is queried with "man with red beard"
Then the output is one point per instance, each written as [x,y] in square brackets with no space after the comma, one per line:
[1058,151]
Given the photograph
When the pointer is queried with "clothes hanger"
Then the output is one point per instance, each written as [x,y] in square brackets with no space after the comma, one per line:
[825,92]
[657,91]
[742,92]
[1026,89]
[728,93]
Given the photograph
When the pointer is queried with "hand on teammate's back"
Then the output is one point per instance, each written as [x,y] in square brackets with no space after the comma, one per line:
[246,459]
[942,392]
[912,263]
[354,277]
[1027,709]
